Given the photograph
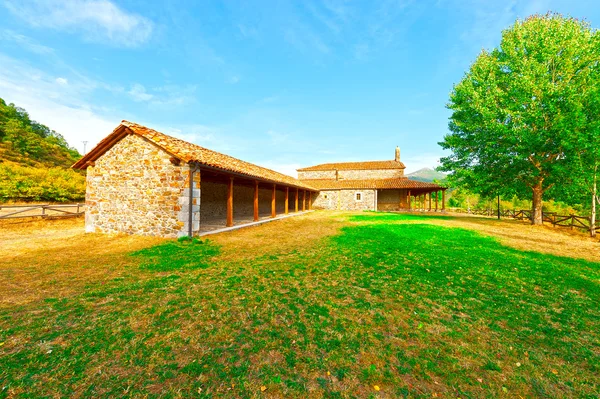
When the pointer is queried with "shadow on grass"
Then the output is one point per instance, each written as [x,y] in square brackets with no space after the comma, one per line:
[183,254]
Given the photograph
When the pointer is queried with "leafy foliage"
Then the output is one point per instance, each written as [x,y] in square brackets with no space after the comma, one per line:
[35,160]
[519,111]
[40,184]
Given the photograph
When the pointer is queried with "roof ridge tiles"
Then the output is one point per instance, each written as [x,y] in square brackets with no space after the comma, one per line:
[190,152]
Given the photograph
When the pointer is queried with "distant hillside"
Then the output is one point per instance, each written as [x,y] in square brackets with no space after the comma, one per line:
[35,160]
[426,175]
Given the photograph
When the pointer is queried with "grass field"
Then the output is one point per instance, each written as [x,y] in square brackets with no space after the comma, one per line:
[326,305]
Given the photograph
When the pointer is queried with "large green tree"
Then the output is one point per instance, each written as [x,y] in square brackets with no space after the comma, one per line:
[519,110]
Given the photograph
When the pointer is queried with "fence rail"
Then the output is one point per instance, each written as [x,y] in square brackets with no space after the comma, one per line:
[41,210]
[571,221]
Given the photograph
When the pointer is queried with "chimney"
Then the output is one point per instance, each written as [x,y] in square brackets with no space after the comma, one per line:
[397,159]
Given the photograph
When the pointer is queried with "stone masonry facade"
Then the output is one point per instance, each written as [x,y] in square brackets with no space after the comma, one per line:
[135,188]
[345,200]
[351,174]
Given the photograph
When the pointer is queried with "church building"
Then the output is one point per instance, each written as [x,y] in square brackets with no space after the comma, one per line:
[140,181]
[371,185]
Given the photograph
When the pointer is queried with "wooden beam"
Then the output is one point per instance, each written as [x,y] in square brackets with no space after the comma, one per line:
[256,200]
[230,203]
[303,200]
[273,209]
[436,200]
[409,201]
[296,199]
[287,198]
[429,201]
[309,199]
[443,200]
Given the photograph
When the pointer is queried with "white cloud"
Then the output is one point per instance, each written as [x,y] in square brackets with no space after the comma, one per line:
[59,106]
[168,95]
[25,42]
[277,138]
[285,168]
[138,93]
[62,81]
[233,79]
[98,20]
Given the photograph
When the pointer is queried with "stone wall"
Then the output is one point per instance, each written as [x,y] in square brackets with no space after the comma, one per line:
[370,174]
[392,200]
[345,200]
[214,202]
[134,188]
[348,200]
[316,174]
[352,174]
[326,199]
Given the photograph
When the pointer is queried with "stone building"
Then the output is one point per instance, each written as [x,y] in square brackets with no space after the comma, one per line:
[140,181]
[372,185]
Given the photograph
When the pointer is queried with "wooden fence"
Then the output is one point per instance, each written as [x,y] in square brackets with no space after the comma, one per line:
[571,221]
[41,210]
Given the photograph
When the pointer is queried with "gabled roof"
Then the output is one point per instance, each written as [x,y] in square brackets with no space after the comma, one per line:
[355,166]
[398,183]
[188,152]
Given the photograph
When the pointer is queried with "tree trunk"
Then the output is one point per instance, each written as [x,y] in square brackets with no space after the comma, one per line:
[536,212]
[593,217]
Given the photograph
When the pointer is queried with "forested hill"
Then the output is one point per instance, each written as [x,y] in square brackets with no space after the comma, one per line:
[28,143]
[35,160]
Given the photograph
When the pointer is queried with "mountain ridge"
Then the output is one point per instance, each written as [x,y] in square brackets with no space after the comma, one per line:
[427,175]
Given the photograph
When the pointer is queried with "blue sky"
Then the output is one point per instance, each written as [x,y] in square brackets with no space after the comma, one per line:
[279,83]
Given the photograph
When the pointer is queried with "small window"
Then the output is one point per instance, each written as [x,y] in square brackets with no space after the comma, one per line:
[325,196]
[359,196]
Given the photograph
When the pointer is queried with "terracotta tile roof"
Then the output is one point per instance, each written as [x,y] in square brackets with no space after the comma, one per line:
[188,152]
[355,166]
[402,183]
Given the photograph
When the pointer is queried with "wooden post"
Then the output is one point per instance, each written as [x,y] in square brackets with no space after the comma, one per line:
[443,200]
[296,200]
[409,201]
[256,201]
[273,209]
[230,203]
[303,200]
[429,201]
[287,195]
[309,200]
[436,200]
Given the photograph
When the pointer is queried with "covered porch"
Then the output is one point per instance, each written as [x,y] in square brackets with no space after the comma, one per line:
[420,199]
[229,200]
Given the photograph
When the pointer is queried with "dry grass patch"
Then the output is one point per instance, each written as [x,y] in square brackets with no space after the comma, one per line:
[55,258]
[280,236]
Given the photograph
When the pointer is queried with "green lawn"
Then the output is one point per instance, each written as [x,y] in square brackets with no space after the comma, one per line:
[383,309]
